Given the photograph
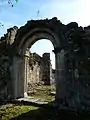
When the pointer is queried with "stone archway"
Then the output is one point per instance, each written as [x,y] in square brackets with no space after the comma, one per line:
[71,48]
[25,38]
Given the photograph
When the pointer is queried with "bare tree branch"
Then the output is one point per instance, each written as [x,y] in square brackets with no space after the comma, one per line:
[10,2]
[1,25]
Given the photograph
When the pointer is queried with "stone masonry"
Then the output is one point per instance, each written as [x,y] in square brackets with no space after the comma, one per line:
[72,54]
[38,68]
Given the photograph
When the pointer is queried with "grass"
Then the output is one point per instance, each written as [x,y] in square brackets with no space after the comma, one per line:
[44,92]
[41,113]
[12,110]
[46,112]
[22,111]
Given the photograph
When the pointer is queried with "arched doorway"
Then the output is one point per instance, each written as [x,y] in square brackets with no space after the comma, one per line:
[25,38]
[41,71]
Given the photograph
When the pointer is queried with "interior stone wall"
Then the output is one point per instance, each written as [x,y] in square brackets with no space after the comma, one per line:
[37,68]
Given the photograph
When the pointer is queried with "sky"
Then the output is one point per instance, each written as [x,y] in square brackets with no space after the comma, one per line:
[43,46]
[65,10]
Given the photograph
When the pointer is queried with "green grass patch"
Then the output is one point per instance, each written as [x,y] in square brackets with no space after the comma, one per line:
[10,111]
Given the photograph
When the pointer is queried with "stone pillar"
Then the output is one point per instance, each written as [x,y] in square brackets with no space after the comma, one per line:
[17,77]
[61,79]
[26,73]
[46,71]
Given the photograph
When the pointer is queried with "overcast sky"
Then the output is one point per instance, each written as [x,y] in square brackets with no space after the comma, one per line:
[65,10]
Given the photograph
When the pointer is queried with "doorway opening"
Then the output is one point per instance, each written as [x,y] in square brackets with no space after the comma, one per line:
[41,84]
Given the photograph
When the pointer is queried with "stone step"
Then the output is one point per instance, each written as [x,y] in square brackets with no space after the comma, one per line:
[33,100]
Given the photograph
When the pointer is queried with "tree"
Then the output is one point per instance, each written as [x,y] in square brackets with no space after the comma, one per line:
[10,2]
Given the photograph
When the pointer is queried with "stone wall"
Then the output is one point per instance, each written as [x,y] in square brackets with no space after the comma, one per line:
[72,54]
[38,68]
[6,63]
[5,80]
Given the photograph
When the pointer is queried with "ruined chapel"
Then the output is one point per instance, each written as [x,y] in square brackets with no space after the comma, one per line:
[72,60]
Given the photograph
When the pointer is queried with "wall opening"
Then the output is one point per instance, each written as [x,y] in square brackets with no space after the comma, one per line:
[40,72]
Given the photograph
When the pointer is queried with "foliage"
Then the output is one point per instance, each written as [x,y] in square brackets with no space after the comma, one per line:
[10,2]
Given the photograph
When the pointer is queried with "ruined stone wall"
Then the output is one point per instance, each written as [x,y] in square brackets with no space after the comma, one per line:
[72,59]
[5,63]
[4,76]
[38,68]
[46,68]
